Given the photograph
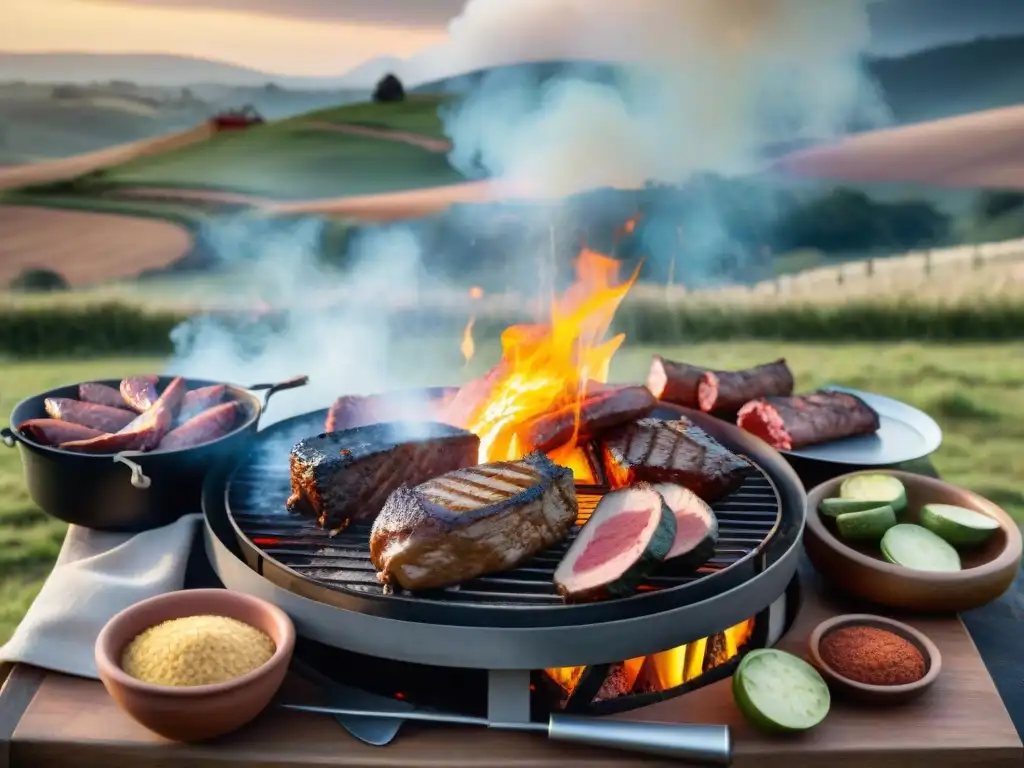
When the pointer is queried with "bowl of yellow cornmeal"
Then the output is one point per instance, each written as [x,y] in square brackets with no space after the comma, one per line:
[195,664]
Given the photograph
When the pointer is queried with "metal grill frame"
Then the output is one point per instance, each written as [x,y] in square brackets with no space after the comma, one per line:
[517,637]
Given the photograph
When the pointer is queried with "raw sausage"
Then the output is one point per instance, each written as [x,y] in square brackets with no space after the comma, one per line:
[101,394]
[209,425]
[54,432]
[198,400]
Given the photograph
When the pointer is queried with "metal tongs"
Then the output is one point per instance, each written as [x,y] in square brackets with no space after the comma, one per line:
[697,744]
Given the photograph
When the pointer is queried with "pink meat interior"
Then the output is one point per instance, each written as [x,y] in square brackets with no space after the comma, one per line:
[615,536]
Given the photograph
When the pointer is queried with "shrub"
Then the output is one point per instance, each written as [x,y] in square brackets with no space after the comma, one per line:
[389,89]
[38,280]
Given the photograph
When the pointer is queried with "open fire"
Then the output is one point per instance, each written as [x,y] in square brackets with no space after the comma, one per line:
[550,368]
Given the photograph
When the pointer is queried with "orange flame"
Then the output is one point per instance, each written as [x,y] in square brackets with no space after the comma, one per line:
[476,292]
[547,367]
[467,347]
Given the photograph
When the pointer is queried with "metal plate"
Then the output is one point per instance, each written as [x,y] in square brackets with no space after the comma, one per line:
[905,434]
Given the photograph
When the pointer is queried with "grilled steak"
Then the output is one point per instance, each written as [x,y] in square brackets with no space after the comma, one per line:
[343,476]
[472,521]
[787,423]
[676,452]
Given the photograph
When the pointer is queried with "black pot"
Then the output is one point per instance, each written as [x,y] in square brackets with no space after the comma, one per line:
[130,491]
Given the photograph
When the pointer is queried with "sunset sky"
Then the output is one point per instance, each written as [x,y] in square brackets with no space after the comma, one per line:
[296,44]
[329,37]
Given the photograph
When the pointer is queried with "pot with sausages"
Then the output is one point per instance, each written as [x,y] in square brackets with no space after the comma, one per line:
[131,454]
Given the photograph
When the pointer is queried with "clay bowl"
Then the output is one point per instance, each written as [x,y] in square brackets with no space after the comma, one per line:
[860,570]
[874,694]
[198,712]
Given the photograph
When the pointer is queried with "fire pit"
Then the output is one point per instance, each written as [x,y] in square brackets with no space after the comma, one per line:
[548,393]
[674,634]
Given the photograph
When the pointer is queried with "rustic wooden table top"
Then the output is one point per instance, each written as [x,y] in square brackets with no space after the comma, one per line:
[52,719]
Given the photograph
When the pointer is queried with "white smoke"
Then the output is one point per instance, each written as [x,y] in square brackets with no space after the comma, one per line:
[714,82]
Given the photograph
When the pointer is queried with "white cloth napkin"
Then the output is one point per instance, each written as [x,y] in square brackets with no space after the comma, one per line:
[96,576]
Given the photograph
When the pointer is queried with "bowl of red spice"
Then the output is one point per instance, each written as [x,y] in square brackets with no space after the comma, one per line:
[874,659]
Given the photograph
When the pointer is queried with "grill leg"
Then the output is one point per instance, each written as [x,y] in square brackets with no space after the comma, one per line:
[508,695]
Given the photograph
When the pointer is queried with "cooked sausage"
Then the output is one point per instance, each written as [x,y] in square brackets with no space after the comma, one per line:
[209,425]
[725,392]
[139,392]
[143,434]
[101,394]
[173,397]
[98,417]
[608,407]
[198,400]
[54,432]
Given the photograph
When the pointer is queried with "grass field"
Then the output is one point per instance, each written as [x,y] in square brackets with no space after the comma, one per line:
[970,390]
[417,114]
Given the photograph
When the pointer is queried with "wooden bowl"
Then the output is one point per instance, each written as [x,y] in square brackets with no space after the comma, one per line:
[874,694]
[860,570]
[200,712]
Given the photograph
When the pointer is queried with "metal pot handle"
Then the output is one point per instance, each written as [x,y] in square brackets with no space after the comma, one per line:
[140,479]
[9,436]
[272,389]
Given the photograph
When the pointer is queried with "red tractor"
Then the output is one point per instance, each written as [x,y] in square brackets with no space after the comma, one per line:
[237,119]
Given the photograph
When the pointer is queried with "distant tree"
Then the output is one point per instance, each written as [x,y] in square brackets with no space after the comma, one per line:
[38,280]
[389,89]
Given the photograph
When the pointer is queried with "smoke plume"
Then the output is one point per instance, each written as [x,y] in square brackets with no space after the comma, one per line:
[709,83]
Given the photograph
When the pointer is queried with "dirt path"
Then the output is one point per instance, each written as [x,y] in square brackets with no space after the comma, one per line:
[69,167]
[85,247]
[428,143]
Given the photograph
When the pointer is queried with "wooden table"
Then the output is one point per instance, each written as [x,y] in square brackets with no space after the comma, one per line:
[52,719]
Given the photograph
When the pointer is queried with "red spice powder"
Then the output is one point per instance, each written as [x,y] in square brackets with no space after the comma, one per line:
[872,656]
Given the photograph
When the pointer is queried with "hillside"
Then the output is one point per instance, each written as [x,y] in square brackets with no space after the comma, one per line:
[939,82]
[39,122]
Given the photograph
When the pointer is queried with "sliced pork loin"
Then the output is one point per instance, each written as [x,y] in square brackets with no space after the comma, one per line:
[696,528]
[340,477]
[677,452]
[472,521]
[628,534]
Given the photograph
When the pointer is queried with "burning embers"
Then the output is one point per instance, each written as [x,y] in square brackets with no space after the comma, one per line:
[660,672]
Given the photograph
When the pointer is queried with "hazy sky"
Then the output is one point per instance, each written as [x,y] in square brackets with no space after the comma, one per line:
[328,37]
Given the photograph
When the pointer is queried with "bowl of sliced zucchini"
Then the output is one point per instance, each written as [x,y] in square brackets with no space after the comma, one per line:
[909,541]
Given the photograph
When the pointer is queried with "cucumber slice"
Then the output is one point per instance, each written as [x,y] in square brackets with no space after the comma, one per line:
[866,525]
[912,546]
[777,691]
[836,507]
[957,525]
[883,489]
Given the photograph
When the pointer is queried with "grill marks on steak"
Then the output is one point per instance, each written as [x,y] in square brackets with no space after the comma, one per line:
[339,477]
[788,423]
[472,521]
[677,452]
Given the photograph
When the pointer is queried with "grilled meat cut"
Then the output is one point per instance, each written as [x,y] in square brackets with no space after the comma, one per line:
[676,452]
[101,394]
[53,432]
[472,521]
[198,400]
[139,392]
[144,432]
[351,411]
[696,527]
[606,408]
[205,426]
[725,392]
[674,382]
[102,418]
[340,477]
[629,533]
[788,423]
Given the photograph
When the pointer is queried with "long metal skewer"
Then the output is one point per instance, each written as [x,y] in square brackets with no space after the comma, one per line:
[698,744]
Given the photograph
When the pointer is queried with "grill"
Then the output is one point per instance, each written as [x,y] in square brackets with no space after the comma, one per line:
[257,494]
[510,621]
